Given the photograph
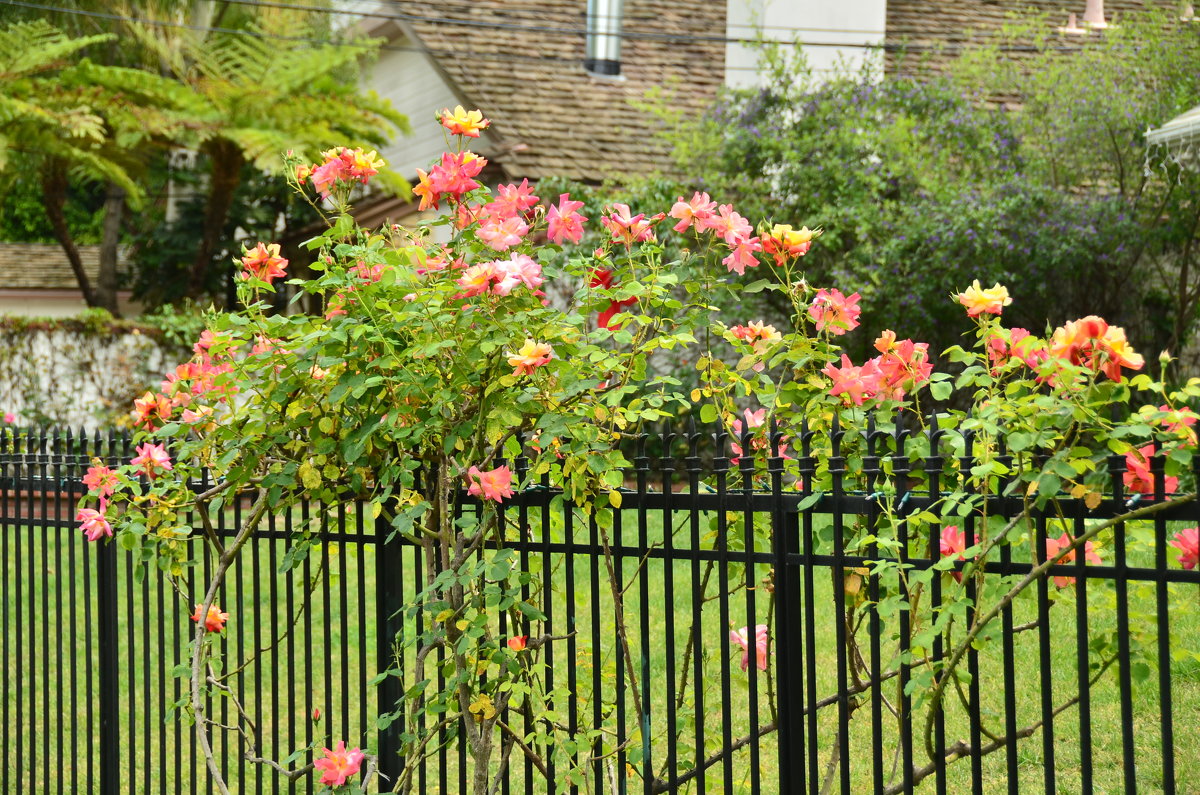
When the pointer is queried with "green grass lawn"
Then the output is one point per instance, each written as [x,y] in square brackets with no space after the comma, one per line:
[49,626]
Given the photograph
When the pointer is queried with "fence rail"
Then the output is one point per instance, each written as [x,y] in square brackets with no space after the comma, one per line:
[1079,688]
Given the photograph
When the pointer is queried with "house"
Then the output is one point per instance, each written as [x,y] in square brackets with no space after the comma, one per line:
[562,80]
[37,281]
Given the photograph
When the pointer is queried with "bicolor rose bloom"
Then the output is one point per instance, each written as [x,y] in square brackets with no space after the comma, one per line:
[1139,479]
[475,280]
[1090,342]
[495,484]
[531,356]
[93,524]
[855,384]
[979,301]
[214,621]
[463,122]
[1016,343]
[741,638]
[784,243]
[150,409]
[1056,545]
[563,221]
[100,480]
[699,209]
[152,460]
[426,192]
[1187,541]
[903,365]
[760,337]
[834,312]
[264,263]
[455,173]
[339,765]
[518,642]
[343,165]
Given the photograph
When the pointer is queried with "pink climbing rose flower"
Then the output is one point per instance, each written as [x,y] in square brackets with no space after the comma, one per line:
[1187,541]
[856,384]
[564,221]
[100,480]
[742,255]
[741,638]
[696,211]
[626,228]
[495,484]
[339,765]
[728,224]
[152,460]
[93,523]
[834,312]
[9,417]
[501,234]
[953,543]
[512,200]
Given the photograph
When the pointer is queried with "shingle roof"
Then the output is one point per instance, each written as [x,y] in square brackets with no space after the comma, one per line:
[531,83]
[925,25]
[33,266]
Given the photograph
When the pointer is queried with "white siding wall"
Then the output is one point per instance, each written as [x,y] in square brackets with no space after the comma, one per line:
[817,21]
[418,91]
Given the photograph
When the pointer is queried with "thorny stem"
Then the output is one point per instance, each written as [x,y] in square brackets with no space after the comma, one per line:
[198,646]
[1026,581]
[961,749]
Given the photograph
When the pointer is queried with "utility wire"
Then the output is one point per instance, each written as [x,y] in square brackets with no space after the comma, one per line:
[628,34]
[506,57]
[492,25]
[503,57]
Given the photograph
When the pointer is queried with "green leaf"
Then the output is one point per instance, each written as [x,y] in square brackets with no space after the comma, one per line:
[941,390]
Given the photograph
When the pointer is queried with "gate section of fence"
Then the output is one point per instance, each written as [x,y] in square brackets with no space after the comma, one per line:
[730,628]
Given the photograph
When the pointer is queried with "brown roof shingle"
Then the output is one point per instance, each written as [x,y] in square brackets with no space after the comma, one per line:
[935,30]
[527,76]
[35,266]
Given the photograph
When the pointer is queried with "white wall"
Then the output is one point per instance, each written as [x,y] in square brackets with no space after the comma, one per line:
[56,303]
[418,91]
[830,22]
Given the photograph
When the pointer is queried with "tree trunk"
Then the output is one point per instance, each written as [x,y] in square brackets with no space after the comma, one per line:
[54,199]
[226,174]
[106,284]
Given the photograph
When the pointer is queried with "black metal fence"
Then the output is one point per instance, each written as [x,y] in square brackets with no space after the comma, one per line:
[1090,683]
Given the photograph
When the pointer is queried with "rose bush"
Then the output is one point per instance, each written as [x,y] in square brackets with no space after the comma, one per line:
[438,360]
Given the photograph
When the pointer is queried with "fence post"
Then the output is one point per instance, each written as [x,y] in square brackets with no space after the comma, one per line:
[389,585]
[785,532]
[109,673]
